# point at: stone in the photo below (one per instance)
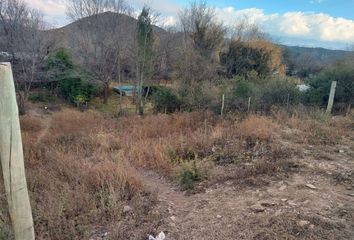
(291, 203)
(303, 223)
(127, 209)
(173, 218)
(284, 200)
(268, 204)
(218, 216)
(282, 188)
(311, 186)
(257, 208)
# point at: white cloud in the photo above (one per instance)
(49, 7)
(307, 25)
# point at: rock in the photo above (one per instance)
(257, 208)
(341, 151)
(127, 209)
(268, 204)
(303, 223)
(282, 188)
(312, 226)
(173, 218)
(218, 216)
(291, 203)
(284, 200)
(311, 186)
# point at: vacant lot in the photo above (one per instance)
(191, 175)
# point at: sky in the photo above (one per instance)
(311, 23)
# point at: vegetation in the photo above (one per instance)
(343, 73)
(90, 173)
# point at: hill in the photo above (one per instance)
(301, 61)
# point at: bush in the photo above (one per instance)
(191, 172)
(277, 91)
(343, 73)
(77, 90)
(165, 100)
(44, 97)
(198, 96)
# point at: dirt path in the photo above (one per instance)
(287, 208)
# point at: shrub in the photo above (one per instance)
(256, 128)
(277, 91)
(241, 58)
(44, 97)
(198, 96)
(165, 100)
(191, 172)
(343, 73)
(76, 89)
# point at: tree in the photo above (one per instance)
(250, 49)
(343, 73)
(145, 54)
(97, 37)
(203, 40)
(22, 39)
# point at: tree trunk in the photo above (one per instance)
(11, 155)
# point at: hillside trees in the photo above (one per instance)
(97, 39)
(21, 37)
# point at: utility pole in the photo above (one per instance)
(11, 155)
(331, 97)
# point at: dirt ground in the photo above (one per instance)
(316, 201)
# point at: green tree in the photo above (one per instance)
(343, 73)
(240, 59)
(145, 54)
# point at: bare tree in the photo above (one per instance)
(23, 40)
(203, 40)
(97, 37)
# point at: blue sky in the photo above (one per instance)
(312, 23)
(335, 8)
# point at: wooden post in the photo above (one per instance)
(331, 97)
(222, 105)
(249, 104)
(11, 155)
(288, 101)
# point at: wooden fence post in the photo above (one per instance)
(222, 105)
(11, 155)
(249, 104)
(331, 97)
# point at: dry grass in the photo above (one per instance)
(76, 176)
(81, 167)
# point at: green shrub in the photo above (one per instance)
(165, 100)
(277, 91)
(197, 96)
(193, 171)
(76, 89)
(44, 97)
(343, 73)
(188, 176)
